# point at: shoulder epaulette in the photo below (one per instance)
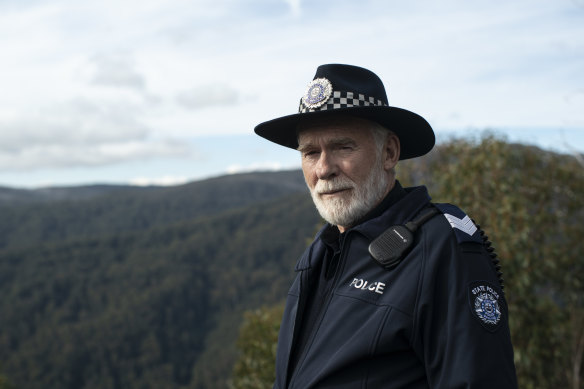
(464, 228)
(467, 231)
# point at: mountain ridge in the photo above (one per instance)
(10, 195)
(133, 305)
(83, 211)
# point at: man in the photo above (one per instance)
(394, 292)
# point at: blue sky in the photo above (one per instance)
(168, 91)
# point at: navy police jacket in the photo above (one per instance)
(436, 320)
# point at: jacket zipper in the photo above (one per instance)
(322, 308)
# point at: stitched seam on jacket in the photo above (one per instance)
(375, 303)
(419, 286)
(375, 341)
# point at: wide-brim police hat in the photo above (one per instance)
(353, 91)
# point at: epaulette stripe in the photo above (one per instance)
(461, 224)
(465, 224)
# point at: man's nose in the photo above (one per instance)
(326, 167)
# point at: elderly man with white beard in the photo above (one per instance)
(348, 172)
(395, 291)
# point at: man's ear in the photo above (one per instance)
(391, 152)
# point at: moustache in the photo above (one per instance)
(334, 185)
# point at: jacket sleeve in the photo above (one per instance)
(461, 330)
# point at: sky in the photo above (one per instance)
(162, 92)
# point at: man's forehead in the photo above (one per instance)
(329, 135)
(338, 128)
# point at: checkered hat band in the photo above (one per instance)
(343, 100)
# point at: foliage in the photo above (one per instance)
(530, 203)
(257, 342)
(86, 212)
(145, 307)
(147, 287)
(4, 384)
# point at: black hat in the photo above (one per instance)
(354, 91)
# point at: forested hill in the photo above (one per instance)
(125, 287)
(253, 184)
(62, 213)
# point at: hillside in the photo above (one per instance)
(264, 183)
(62, 213)
(125, 287)
(144, 287)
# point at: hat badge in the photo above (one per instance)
(317, 93)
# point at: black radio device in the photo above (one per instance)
(390, 247)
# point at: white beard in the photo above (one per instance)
(348, 208)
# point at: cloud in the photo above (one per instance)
(117, 70)
(294, 6)
(255, 166)
(99, 82)
(76, 121)
(159, 181)
(208, 96)
(63, 156)
(81, 132)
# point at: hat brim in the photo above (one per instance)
(414, 132)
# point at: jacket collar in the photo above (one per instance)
(400, 212)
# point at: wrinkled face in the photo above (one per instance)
(346, 171)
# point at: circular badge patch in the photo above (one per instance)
(487, 307)
(485, 304)
(318, 92)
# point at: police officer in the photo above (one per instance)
(395, 291)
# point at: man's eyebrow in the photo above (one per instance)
(302, 147)
(342, 141)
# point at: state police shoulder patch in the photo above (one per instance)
(485, 304)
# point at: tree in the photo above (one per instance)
(255, 368)
(4, 384)
(530, 202)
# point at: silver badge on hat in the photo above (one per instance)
(318, 92)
